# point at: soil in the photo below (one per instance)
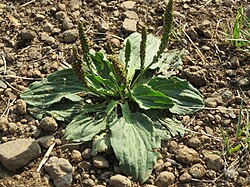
(36, 38)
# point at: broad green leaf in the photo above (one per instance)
(84, 127)
(100, 86)
(152, 46)
(185, 97)
(133, 140)
(101, 143)
(174, 126)
(42, 94)
(147, 98)
(66, 111)
(103, 67)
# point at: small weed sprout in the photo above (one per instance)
(125, 102)
(240, 36)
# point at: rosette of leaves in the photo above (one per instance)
(127, 102)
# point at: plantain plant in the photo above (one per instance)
(127, 102)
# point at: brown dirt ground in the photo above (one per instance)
(215, 68)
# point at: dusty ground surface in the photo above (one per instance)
(36, 38)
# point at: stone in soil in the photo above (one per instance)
(195, 75)
(21, 106)
(119, 181)
(128, 4)
(197, 171)
(27, 35)
(70, 36)
(185, 177)
(186, 155)
(60, 170)
(213, 161)
(100, 162)
(16, 154)
(194, 142)
(49, 124)
(129, 25)
(88, 182)
(159, 165)
(164, 179)
(87, 153)
(46, 141)
(76, 156)
(131, 15)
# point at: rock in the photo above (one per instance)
(12, 127)
(44, 36)
(39, 17)
(195, 75)
(21, 106)
(131, 15)
(115, 43)
(119, 181)
(48, 27)
(35, 54)
(100, 162)
(3, 124)
(129, 25)
(49, 124)
(197, 171)
(226, 94)
(60, 170)
(75, 4)
(46, 141)
(76, 156)
(164, 179)
(50, 40)
(194, 142)
(18, 153)
(203, 32)
(192, 34)
(243, 81)
(213, 161)
(205, 48)
(84, 165)
(88, 182)
(234, 61)
(128, 4)
(27, 35)
(67, 24)
(159, 165)
(60, 15)
(210, 102)
(230, 73)
(185, 177)
(103, 26)
(87, 153)
(186, 155)
(70, 36)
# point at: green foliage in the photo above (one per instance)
(241, 140)
(240, 36)
(126, 102)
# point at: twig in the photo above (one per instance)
(6, 82)
(65, 64)
(45, 158)
(203, 59)
(29, 2)
(6, 111)
(5, 65)
(65, 145)
(18, 77)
